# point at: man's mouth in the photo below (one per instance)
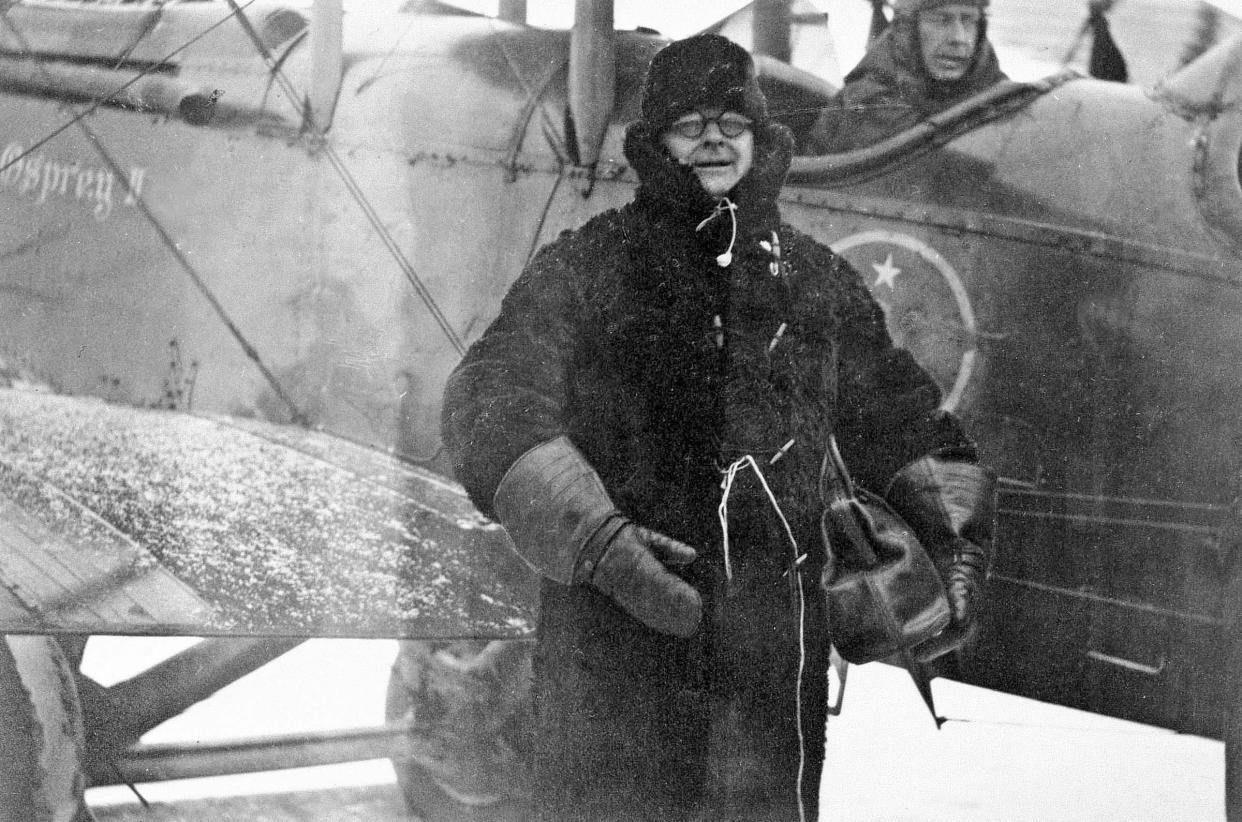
(717, 163)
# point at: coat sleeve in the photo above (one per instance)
(889, 411)
(507, 395)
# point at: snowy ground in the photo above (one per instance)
(999, 759)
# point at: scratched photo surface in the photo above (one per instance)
(243, 245)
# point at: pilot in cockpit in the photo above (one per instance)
(934, 54)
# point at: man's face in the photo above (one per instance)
(719, 145)
(948, 36)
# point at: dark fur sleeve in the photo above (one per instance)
(889, 407)
(508, 393)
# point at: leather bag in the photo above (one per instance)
(884, 594)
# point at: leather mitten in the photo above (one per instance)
(951, 505)
(564, 524)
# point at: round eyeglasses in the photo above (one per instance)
(730, 123)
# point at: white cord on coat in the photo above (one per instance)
(723, 511)
(724, 205)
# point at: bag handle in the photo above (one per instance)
(838, 465)
(834, 478)
(845, 511)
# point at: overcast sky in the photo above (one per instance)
(675, 18)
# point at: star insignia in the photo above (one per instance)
(886, 272)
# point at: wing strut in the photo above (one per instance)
(592, 76)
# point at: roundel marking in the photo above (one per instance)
(932, 317)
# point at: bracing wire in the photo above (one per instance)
(116, 169)
(534, 91)
(143, 72)
(355, 191)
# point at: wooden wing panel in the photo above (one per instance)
(93, 582)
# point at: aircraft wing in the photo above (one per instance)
(130, 521)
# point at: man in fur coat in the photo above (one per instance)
(934, 55)
(648, 417)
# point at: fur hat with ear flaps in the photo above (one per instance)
(700, 72)
(706, 71)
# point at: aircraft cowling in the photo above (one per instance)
(1210, 91)
(1072, 154)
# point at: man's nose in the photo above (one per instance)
(960, 31)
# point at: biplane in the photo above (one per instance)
(244, 242)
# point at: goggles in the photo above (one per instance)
(692, 126)
(946, 18)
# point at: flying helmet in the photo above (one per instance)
(911, 7)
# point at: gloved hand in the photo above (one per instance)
(631, 569)
(964, 583)
(950, 504)
(564, 524)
